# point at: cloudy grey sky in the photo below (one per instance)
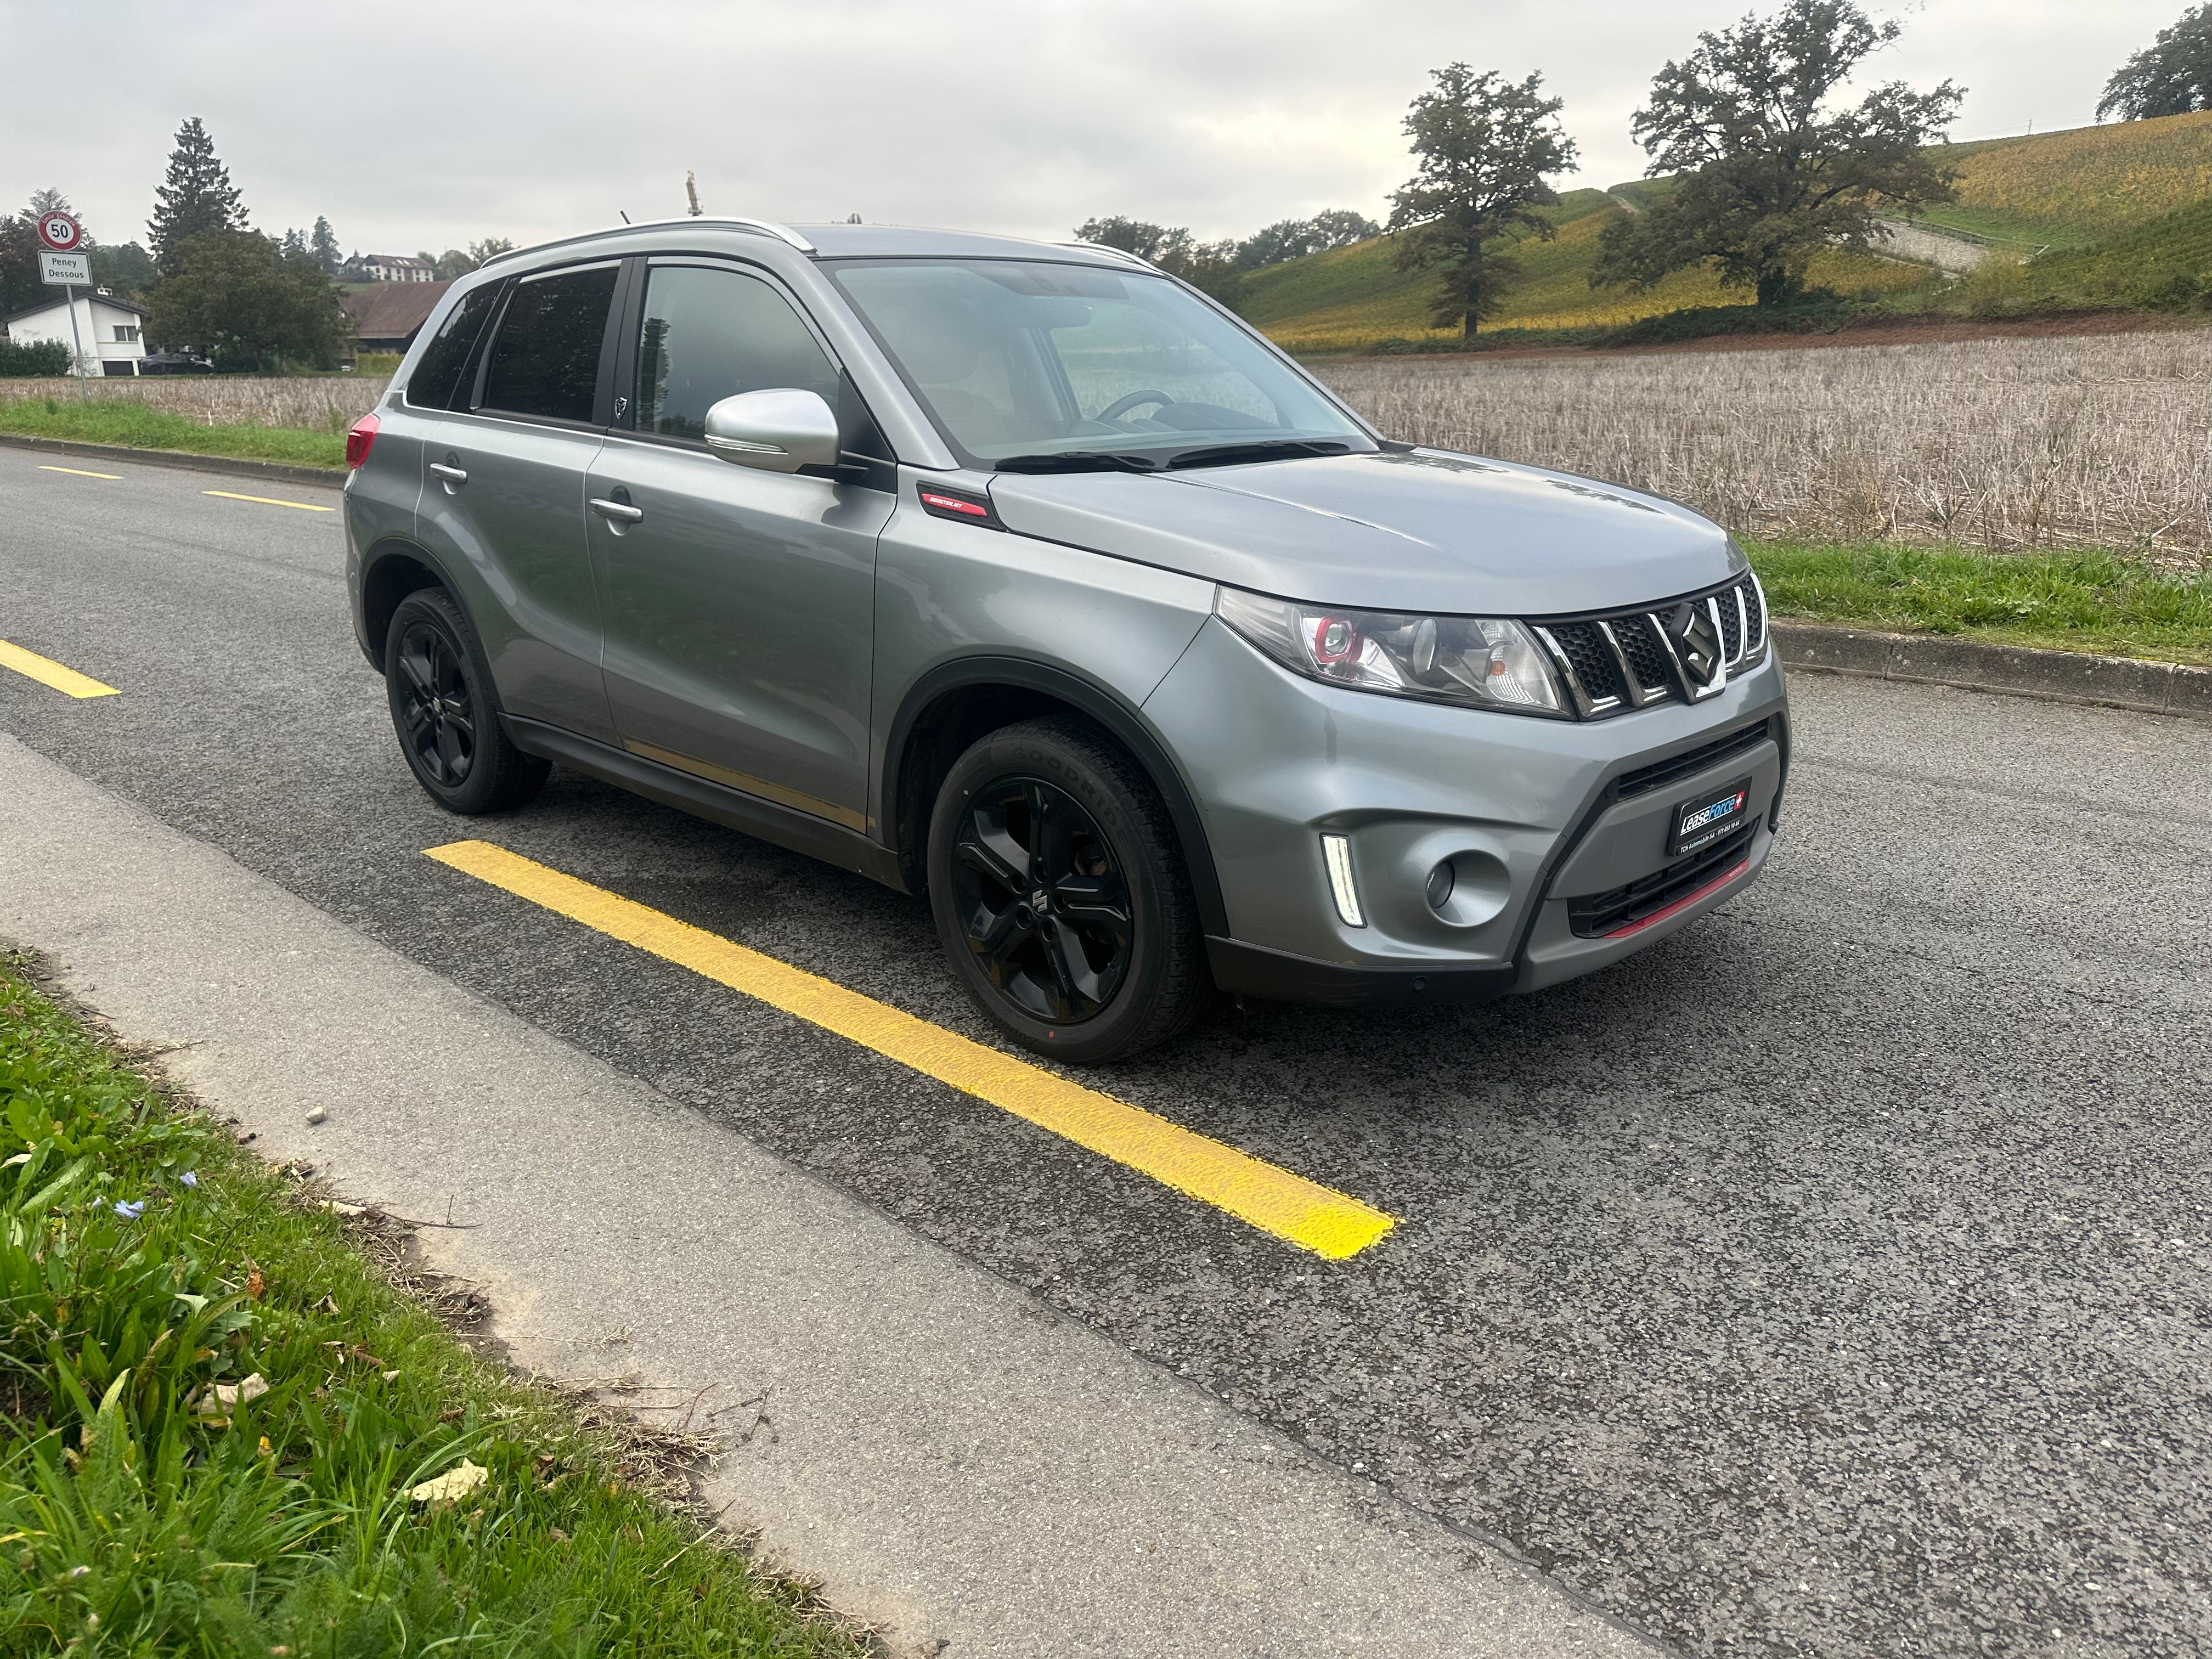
(422, 125)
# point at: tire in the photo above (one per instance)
(1061, 897)
(445, 714)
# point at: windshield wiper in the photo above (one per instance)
(1078, 460)
(1257, 449)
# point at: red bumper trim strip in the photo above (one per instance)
(1686, 901)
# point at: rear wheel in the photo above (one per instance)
(1061, 896)
(443, 710)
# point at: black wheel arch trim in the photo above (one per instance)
(1121, 721)
(379, 554)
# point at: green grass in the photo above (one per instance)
(125, 421)
(2069, 601)
(135, 1521)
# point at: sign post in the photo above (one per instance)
(65, 266)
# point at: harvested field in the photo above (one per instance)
(330, 403)
(2002, 443)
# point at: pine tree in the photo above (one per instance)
(198, 197)
(296, 245)
(323, 243)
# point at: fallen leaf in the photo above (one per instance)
(228, 1395)
(390, 1376)
(255, 1285)
(344, 1212)
(455, 1484)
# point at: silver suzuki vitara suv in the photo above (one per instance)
(1026, 577)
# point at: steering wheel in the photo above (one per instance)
(1121, 406)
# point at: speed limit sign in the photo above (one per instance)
(59, 232)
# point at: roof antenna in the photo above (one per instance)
(691, 188)
(625, 216)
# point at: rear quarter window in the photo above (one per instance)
(437, 381)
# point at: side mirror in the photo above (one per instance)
(779, 430)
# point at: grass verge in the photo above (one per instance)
(217, 1421)
(125, 421)
(2097, 602)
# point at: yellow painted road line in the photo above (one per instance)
(1272, 1200)
(47, 671)
(78, 471)
(268, 500)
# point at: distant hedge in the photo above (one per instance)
(18, 358)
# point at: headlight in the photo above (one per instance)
(1474, 662)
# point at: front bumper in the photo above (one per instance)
(1537, 818)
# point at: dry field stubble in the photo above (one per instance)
(2088, 442)
(322, 403)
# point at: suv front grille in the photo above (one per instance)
(1681, 652)
(1641, 902)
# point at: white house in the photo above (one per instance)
(388, 268)
(110, 332)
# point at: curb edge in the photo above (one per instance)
(2152, 688)
(329, 478)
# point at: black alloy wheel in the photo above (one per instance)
(1043, 902)
(446, 712)
(1061, 896)
(437, 717)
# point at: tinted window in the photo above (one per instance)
(545, 357)
(438, 376)
(709, 335)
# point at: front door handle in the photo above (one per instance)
(452, 475)
(620, 512)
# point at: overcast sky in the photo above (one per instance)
(419, 125)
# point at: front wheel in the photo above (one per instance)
(1061, 894)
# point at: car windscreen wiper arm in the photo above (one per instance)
(1078, 460)
(1257, 449)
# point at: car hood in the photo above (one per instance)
(1420, 530)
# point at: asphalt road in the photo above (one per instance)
(1829, 1279)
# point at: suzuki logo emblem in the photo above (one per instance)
(1696, 636)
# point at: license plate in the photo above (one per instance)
(1699, 823)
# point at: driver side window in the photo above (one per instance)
(707, 335)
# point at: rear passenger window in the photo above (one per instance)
(437, 378)
(709, 335)
(545, 357)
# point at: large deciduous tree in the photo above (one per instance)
(2172, 76)
(1486, 146)
(239, 299)
(196, 198)
(1772, 173)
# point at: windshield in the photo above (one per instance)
(1023, 360)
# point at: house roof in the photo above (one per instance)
(57, 302)
(387, 311)
(391, 259)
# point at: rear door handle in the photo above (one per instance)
(452, 475)
(620, 512)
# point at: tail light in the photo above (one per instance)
(358, 437)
